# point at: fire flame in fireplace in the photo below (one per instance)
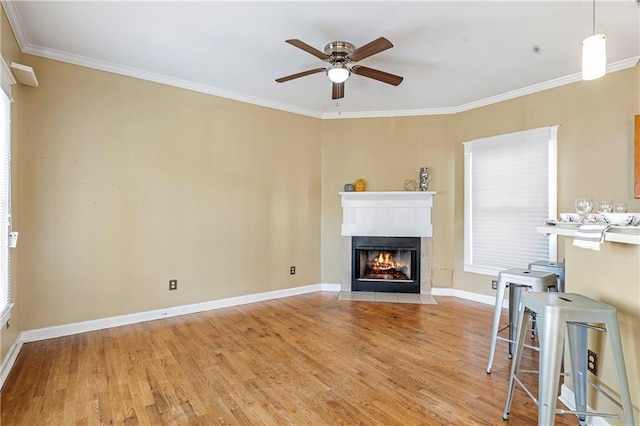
(383, 267)
(383, 262)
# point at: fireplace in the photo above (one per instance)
(387, 242)
(386, 264)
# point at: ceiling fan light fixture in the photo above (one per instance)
(338, 73)
(594, 57)
(342, 58)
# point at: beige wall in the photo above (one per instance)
(127, 184)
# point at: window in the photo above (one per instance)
(6, 79)
(510, 188)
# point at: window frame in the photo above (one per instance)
(547, 135)
(6, 81)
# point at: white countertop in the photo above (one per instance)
(615, 234)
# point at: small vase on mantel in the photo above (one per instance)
(424, 178)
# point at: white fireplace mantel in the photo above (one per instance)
(387, 214)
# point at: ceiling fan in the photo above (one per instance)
(342, 57)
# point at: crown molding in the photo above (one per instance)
(573, 78)
(162, 79)
(390, 113)
(201, 88)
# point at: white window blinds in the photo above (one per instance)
(510, 189)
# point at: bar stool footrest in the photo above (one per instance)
(563, 411)
(535, 348)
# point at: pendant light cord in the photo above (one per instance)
(594, 17)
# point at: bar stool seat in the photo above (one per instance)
(517, 280)
(555, 267)
(575, 313)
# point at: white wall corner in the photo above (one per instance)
(330, 287)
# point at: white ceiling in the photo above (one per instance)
(453, 55)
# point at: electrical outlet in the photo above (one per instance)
(292, 270)
(592, 362)
(494, 284)
(173, 284)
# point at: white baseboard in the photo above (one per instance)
(100, 324)
(468, 295)
(9, 360)
(567, 397)
(330, 287)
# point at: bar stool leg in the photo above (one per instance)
(515, 364)
(552, 332)
(497, 311)
(515, 294)
(615, 341)
(577, 337)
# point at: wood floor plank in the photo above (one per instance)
(308, 359)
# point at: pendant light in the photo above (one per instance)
(594, 53)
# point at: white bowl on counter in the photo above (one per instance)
(570, 217)
(622, 219)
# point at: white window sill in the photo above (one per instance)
(482, 270)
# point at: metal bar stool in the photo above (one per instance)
(575, 314)
(516, 280)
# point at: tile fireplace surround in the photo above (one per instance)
(388, 214)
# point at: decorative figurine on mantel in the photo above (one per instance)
(424, 178)
(359, 185)
(410, 185)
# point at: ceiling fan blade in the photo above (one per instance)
(337, 91)
(376, 46)
(382, 76)
(300, 74)
(309, 49)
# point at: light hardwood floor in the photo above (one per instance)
(303, 360)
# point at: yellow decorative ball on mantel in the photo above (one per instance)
(359, 185)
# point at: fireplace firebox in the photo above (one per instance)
(386, 264)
